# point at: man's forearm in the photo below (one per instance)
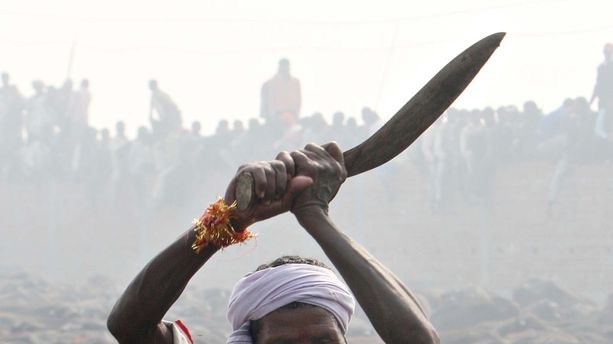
(391, 307)
(149, 296)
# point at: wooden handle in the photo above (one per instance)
(244, 194)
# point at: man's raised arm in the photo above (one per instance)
(391, 307)
(137, 315)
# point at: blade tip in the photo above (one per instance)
(499, 35)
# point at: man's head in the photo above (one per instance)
(284, 67)
(530, 107)
(120, 128)
(352, 124)
(608, 51)
(369, 116)
(568, 106)
(296, 322)
(5, 79)
(38, 86)
(105, 135)
(254, 124)
(290, 300)
(153, 85)
(67, 85)
(223, 127)
(338, 119)
(489, 115)
(196, 127)
(238, 126)
(142, 134)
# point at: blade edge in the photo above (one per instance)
(422, 109)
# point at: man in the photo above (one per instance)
(281, 97)
(78, 108)
(11, 142)
(267, 306)
(168, 113)
(119, 147)
(604, 92)
(436, 160)
(37, 117)
(573, 146)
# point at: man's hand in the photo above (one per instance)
(294, 181)
(275, 186)
(325, 168)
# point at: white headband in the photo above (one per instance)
(264, 291)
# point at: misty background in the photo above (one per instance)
(121, 122)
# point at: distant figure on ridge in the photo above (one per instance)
(604, 92)
(281, 97)
(168, 113)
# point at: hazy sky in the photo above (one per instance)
(212, 56)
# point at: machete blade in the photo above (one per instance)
(410, 121)
(422, 110)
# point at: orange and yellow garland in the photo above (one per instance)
(214, 227)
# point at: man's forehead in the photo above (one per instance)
(299, 325)
(307, 335)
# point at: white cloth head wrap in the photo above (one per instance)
(264, 291)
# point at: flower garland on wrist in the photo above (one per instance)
(214, 227)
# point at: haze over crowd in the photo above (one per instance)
(108, 201)
(47, 136)
(214, 56)
(120, 122)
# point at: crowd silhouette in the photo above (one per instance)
(47, 144)
(46, 138)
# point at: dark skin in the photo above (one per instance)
(310, 325)
(303, 182)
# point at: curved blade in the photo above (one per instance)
(423, 109)
(410, 121)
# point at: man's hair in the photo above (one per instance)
(254, 325)
(291, 260)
